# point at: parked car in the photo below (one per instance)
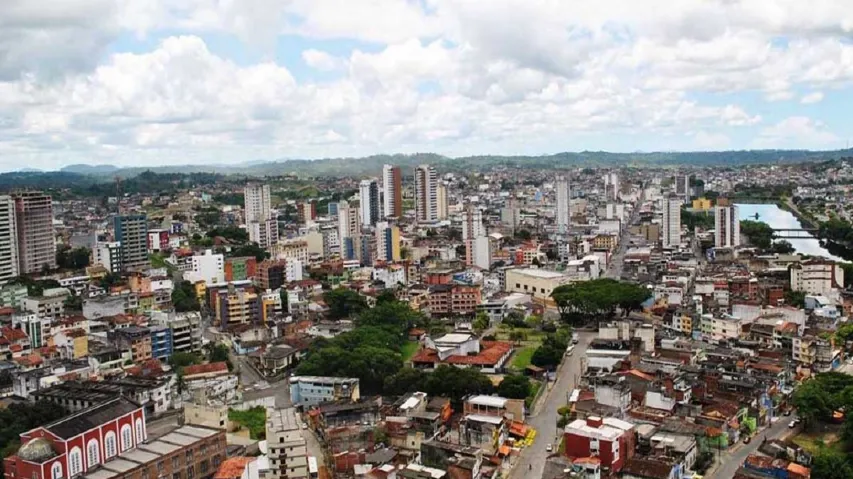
(549, 448)
(747, 439)
(787, 412)
(792, 424)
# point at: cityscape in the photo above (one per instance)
(426, 239)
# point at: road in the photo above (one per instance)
(614, 269)
(730, 461)
(545, 420)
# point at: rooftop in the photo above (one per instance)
(539, 273)
(80, 422)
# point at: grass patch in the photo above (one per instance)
(522, 357)
(254, 419)
(159, 261)
(817, 442)
(409, 349)
(535, 385)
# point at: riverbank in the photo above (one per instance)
(789, 217)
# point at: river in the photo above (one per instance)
(778, 218)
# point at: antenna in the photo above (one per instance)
(118, 194)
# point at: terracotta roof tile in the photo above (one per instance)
(233, 468)
(219, 367)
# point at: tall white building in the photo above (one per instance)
(611, 186)
(392, 190)
(671, 234)
(369, 202)
(477, 247)
(726, 227)
(265, 233)
(563, 199)
(108, 255)
(426, 194)
(207, 267)
(257, 203)
(8, 239)
(287, 449)
(347, 220)
(443, 204)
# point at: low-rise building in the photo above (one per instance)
(313, 390)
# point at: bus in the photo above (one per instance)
(313, 471)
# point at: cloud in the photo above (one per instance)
(796, 132)
(813, 97)
(322, 61)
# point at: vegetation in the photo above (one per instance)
(230, 199)
(253, 419)
(344, 303)
(551, 352)
(231, 233)
(795, 298)
(409, 349)
(447, 381)
(759, 233)
(598, 297)
(515, 386)
(702, 219)
(181, 360)
(76, 258)
(184, 298)
(35, 287)
(522, 357)
(217, 353)
(21, 417)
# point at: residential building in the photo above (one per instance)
(237, 306)
(257, 203)
(134, 339)
(387, 242)
(671, 231)
(682, 186)
(392, 189)
(539, 283)
(108, 255)
(563, 214)
(726, 227)
(702, 204)
(368, 191)
(816, 277)
(453, 299)
(472, 230)
(207, 267)
(13, 296)
(313, 390)
(294, 249)
(426, 194)
(611, 440)
(287, 449)
(306, 212)
(34, 227)
(240, 269)
(50, 305)
(153, 394)
(265, 233)
(158, 240)
(442, 202)
(9, 260)
(161, 342)
(275, 274)
(131, 231)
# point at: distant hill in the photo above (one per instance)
(90, 169)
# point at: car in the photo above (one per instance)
(575, 340)
(798, 420)
(792, 424)
(747, 439)
(549, 448)
(787, 413)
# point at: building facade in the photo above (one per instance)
(726, 227)
(369, 202)
(9, 261)
(34, 225)
(426, 194)
(671, 231)
(131, 231)
(392, 187)
(257, 203)
(564, 214)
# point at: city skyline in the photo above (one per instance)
(155, 83)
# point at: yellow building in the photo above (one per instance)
(200, 290)
(605, 241)
(702, 204)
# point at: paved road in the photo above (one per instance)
(545, 421)
(730, 461)
(614, 269)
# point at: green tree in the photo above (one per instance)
(76, 258)
(795, 298)
(758, 233)
(344, 303)
(599, 297)
(184, 298)
(829, 464)
(21, 417)
(514, 386)
(405, 380)
(181, 360)
(231, 233)
(481, 322)
(249, 249)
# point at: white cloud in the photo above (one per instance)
(796, 132)
(320, 60)
(813, 97)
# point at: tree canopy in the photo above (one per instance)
(21, 417)
(344, 303)
(514, 386)
(183, 297)
(759, 233)
(599, 297)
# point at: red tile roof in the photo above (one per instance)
(219, 367)
(232, 468)
(13, 334)
(490, 353)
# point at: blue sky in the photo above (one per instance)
(192, 81)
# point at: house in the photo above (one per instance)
(313, 390)
(211, 381)
(611, 440)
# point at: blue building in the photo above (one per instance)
(161, 342)
(313, 390)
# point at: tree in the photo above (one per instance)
(250, 249)
(758, 233)
(386, 296)
(514, 386)
(184, 298)
(76, 258)
(795, 298)
(395, 316)
(598, 297)
(546, 356)
(829, 464)
(534, 321)
(21, 417)
(180, 360)
(231, 233)
(523, 235)
(781, 247)
(481, 322)
(344, 303)
(405, 380)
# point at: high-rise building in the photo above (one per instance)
(671, 234)
(108, 255)
(288, 451)
(611, 186)
(348, 220)
(563, 198)
(726, 227)
(472, 232)
(307, 211)
(9, 262)
(257, 203)
(369, 202)
(509, 214)
(387, 242)
(442, 203)
(392, 187)
(131, 231)
(426, 194)
(34, 222)
(682, 186)
(265, 233)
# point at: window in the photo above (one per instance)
(189, 456)
(75, 462)
(126, 438)
(93, 454)
(190, 471)
(56, 470)
(140, 431)
(217, 460)
(110, 445)
(160, 466)
(176, 475)
(176, 462)
(205, 466)
(145, 474)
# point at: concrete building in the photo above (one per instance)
(207, 267)
(368, 192)
(563, 215)
(257, 203)
(611, 440)
(442, 201)
(426, 194)
(108, 255)
(472, 230)
(726, 227)
(306, 212)
(9, 261)
(34, 225)
(287, 450)
(671, 231)
(392, 191)
(817, 277)
(265, 233)
(131, 231)
(295, 249)
(536, 282)
(50, 305)
(387, 242)
(313, 390)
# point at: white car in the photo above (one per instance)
(549, 448)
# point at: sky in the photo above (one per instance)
(168, 82)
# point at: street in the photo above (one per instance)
(729, 461)
(545, 420)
